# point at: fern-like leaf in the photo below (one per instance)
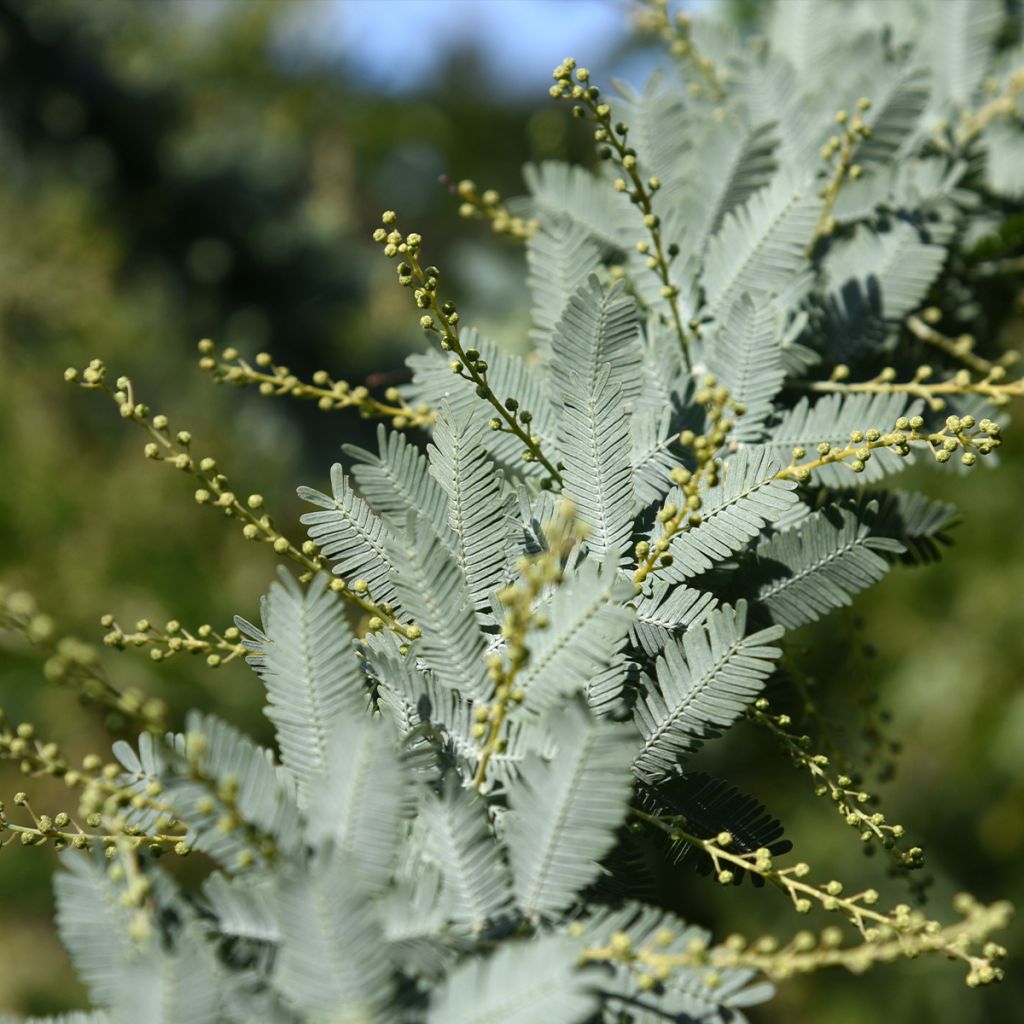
(733, 512)
(475, 877)
(365, 794)
(587, 622)
(564, 812)
(561, 191)
(760, 248)
(746, 357)
(918, 522)
(666, 612)
(724, 173)
(819, 565)
(560, 257)
(479, 512)
(334, 958)
(351, 535)
(704, 683)
(433, 590)
(524, 982)
(599, 327)
(595, 445)
(397, 482)
(305, 657)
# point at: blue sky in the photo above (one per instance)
(395, 45)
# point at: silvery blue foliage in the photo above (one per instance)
(374, 868)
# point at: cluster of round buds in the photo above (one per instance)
(76, 664)
(273, 379)
(392, 239)
(518, 599)
(172, 639)
(686, 512)
(853, 128)
(488, 205)
(841, 146)
(91, 377)
(959, 433)
(677, 35)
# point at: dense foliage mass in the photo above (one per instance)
(585, 575)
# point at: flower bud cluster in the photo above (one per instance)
(959, 434)
(677, 34)
(488, 206)
(75, 664)
(855, 805)
(441, 319)
(518, 599)
(682, 510)
(175, 449)
(839, 152)
(273, 379)
(993, 386)
(572, 83)
(173, 638)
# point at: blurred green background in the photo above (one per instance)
(175, 170)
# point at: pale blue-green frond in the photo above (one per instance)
(728, 167)
(831, 419)
(806, 33)
(564, 811)
(509, 376)
(524, 982)
(587, 622)
(560, 257)
(1003, 143)
(606, 688)
(243, 906)
(479, 508)
(168, 986)
(661, 130)
(434, 591)
(414, 914)
(475, 877)
(761, 246)
(918, 522)
(897, 105)
(598, 326)
(958, 45)
(560, 190)
(666, 612)
(733, 512)
(688, 994)
(770, 91)
(365, 795)
(138, 978)
(89, 909)
(819, 565)
(264, 797)
(398, 482)
(705, 681)
(746, 357)
(904, 266)
(334, 958)
(651, 455)
(350, 535)
(594, 442)
(666, 377)
(306, 659)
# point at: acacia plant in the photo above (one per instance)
(780, 286)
